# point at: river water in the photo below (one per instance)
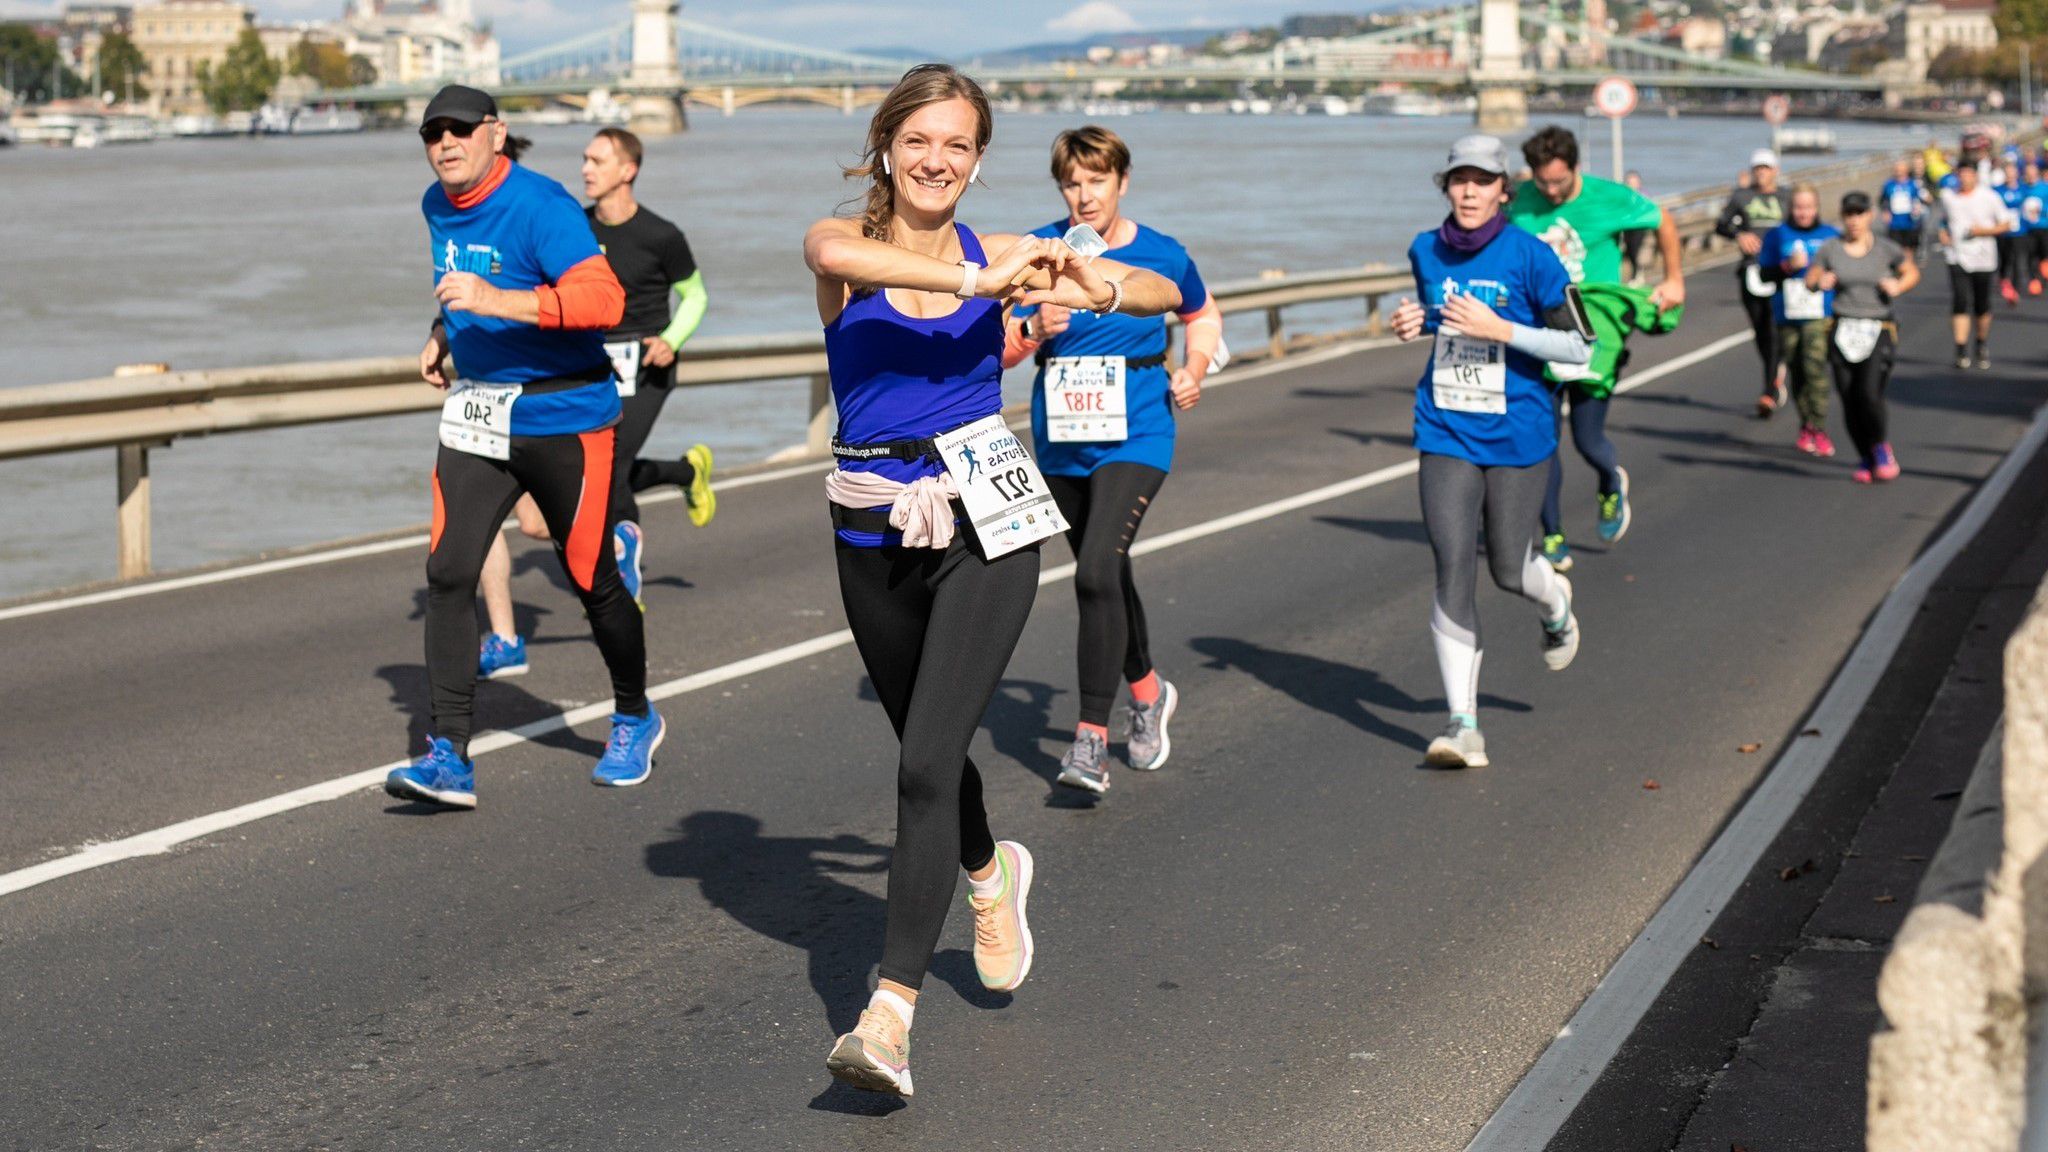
(219, 253)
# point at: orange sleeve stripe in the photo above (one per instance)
(587, 536)
(588, 295)
(1015, 347)
(1208, 308)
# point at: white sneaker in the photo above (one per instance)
(1461, 746)
(1561, 642)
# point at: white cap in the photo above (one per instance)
(1763, 158)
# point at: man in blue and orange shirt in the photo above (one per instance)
(526, 297)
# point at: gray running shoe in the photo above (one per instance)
(1146, 742)
(1461, 746)
(1082, 766)
(1561, 641)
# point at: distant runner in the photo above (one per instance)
(1499, 305)
(1583, 218)
(1864, 274)
(1905, 201)
(525, 296)
(654, 264)
(1973, 217)
(1802, 314)
(1750, 213)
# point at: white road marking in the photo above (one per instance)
(163, 839)
(1539, 1106)
(419, 540)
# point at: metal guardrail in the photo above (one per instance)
(133, 414)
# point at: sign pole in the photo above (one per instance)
(1620, 169)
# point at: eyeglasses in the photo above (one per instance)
(432, 133)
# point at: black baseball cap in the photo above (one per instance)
(461, 104)
(1855, 203)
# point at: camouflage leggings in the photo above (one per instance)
(1803, 347)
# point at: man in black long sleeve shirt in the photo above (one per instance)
(1749, 213)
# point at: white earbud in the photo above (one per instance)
(885, 165)
(976, 174)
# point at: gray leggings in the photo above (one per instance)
(1456, 495)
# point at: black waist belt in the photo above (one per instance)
(1131, 363)
(886, 450)
(869, 520)
(566, 383)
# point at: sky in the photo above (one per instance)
(953, 28)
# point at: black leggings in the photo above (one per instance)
(1113, 635)
(2012, 253)
(1969, 292)
(1764, 324)
(1862, 389)
(935, 630)
(1589, 435)
(569, 478)
(636, 421)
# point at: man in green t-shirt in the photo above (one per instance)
(1582, 218)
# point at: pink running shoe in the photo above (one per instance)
(1822, 446)
(1806, 443)
(1885, 466)
(1862, 473)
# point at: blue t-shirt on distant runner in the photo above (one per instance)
(1521, 279)
(1903, 200)
(1148, 399)
(2034, 207)
(2015, 196)
(1779, 244)
(527, 232)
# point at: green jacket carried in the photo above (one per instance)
(1617, 311)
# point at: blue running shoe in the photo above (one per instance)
(440, 777)
(500, 657)
(630, 756)
(627, 534)
(1614, 513)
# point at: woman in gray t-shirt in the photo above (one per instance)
(1866, 272)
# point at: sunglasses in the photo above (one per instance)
(432, 133)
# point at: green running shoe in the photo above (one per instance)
(1614, 514)
(1557, 552)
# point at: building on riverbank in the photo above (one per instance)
(176, 37)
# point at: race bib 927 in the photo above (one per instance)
(1007, 501)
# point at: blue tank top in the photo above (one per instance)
(898, 377)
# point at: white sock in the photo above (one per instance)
(896, 1004)
(1458, 659)
(990, 888)
(1540, 583)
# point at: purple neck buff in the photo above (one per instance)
(1463, 240)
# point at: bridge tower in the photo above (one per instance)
(1500, 79)
(656, 79)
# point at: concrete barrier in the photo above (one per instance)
(1951, 1071)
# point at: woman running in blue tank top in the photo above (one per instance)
(938, 511)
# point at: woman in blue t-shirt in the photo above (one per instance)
(1102, 416)
(1499, 304)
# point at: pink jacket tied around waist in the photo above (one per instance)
(922, 510)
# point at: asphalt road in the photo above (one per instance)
(1292, 937)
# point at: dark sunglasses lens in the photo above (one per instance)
(432, 133)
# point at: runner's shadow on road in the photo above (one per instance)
(1019, 723)
(1341, 690)
(790, 889)
(1397, 439)
(500, 705)
(1745, 464)
(1681, 400)
(1401, 531)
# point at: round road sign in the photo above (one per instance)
(1777, 109)
(1615, 97)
